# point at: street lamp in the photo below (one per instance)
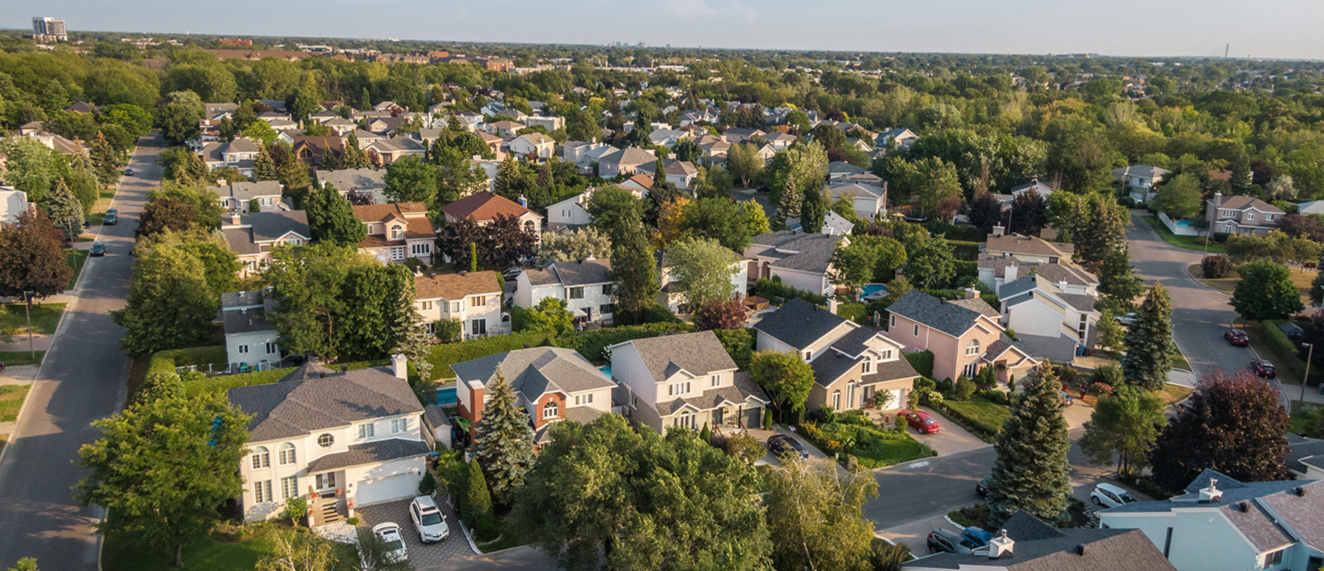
(1306, 379)
(27, 309)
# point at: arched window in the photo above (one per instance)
(397, 233)
(850, 395)
(836, 400)
(285, 454)
(261, 458)
(550, 410)
(972, 348)
(686, 420)
(528, 227)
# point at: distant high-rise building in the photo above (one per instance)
(49, 29)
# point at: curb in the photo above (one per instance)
(1204, 285)
(467, 536)
(954, 524)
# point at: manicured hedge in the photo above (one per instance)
(854, 312)
(166, 361)
(443, 356)
(966, 268)
(922, 362)
(962, 232)
(967, 251)
(590, 344)
(774, 288)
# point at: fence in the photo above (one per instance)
(216, 369)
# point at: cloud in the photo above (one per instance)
(690, 8)
(746, 11)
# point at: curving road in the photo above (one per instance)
(82, 379)
(1200, 313)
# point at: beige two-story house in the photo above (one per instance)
(685, 380)
(252, 236)
(397, 232)
(1241, 215)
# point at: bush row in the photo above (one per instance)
(959, 232)
(922, 362)
(770, 289)
(968, 251)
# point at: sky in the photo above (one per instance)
(1155, 28)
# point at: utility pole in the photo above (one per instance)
(1226, 48)
(1306, 379)
(27, 309)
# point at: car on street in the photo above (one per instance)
(1110, 496)
(977, 536)
(1128, 319)
(98, 250)
(983, 486)
(428, 520)
(781, 444)
(1237, 337)
(921, 421)
(394, 544)
(948, 541)
(111, 218)
(1263, 369)
(1066, 398)
(128, 172)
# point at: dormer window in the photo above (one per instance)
(326, 440)
(868, 366)
(397, 232)
(550, 410)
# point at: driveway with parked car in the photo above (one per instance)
(421, 555)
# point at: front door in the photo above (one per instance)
(717, 417)
(326, 483)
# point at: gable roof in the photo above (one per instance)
(630, 156)
(811, 252)
(698, 353)
(1041, 547)
(1031, 245)
(455, 286)
(537, 371)
(484, 206)
(1141, 171)
(577, 273)
(353, 179)
(259, 227)
(951, 317)
(313, 398)
(245, 191)
(799, 323)
(1243, 202)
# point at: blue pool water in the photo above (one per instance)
(606, 370)
(870, 289)
(1183, 223)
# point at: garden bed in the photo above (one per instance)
(872, 446)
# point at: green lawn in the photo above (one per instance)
(11, 400)
(1306, 419)
(874, 447)
(76, 259)
(217, 552)
(12, 358)
(977, 415)
(1188, 242)
(1179, 362)
(1172, 393)
(44, 317)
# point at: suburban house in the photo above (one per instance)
(1222, 524)
(363, 181)
(549, 123)
(551, 384)
(1039, 188)
(238, 154)
(670, 295)
(679, 173)
(998, 269)
(250, 340)
(13, 203)
(578, 152)
(1140, 180)
(901, 137)
(391, 150)
(836, 225)
(1305, 457)
(243, 196)
(309, 150)
(686, 379)
(503, 128)
(963, 335)
(536, 145)
(1053, 318)
(868, 200)
(572, 213)
(737, 135)
(472, 298)
(586, 286)
(484, 207)
(797, 259)
(615, 162)
(252, 236)
(667, 137)
(1242, 214)
(852, 363)
(780, 141)
(640, 184)
(341, 439)
(1029, 544)
(1031, 249)
(397, 232)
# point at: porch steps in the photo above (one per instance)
(329, 513)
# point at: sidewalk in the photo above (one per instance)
(40, 342)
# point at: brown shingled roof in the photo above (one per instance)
(483, 206)
(456, 286)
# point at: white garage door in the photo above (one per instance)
(898, 399)
(387, 489)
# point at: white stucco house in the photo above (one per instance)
(799, 260)
(251, 342)
(586, 286)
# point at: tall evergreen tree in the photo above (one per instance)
(1098, 227)
(507, 179)
(504, 442)
(353, 157)
(1149, 345)
(329, 160)
(1031, 472)
(1118, 279)
(789, 207)
(264, 168)
(813, 210)
(331, 218)
(411, 333)
(104, 161)
(64, 210)
(635, 270)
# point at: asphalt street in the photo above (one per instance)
(82, 379)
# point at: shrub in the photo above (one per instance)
(745, 447)
(965, 388)
(1215, 267)
(946, 387)
(354, 521)
(447, 330)
(770, 288)
(428, 484)
(739, 343)
(966, 268)
(994, 396)
(884, 556)
(931, 399)
(295, 509)
(825, 415)
(767, 421)
(476, 504)
(926, 383)
(922, 362)
(961, 232)
(854, 311)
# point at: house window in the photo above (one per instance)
(850, 395)
(634, 400)
(970, 369)
(916, 332)
(678, 389)
(836, 400)
(479, 327)
(367, 431)
(262, 491)
(422, 249)
(806, 355)
(397, 233)
(478, 301)
(271, 348)
(427, 305)
(326, 440)
(1227, 228)
(1274, 559)
(1268, 218)
(868, 366)
(717, 380)
(607, 289)
(891, 322)
(289, 487)
(972, 348)
(285, 454)
(886, 355)
(398, 253)
(261, 458)
(456, 306)
(549, 410)
(243, 349)
(606, 309)
(528, 227)
(399, 425)
(583, 399)
(1250, 216)
(576, 293)
(685, 419)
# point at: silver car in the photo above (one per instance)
(428, 520)
(389, 533)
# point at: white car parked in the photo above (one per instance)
(1110, 496)
(428, 520)
(389, 533)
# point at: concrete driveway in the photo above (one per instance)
(421, 556)
(951, 439)
(770, 458)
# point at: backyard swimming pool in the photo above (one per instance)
(606, 370)
(871, 289)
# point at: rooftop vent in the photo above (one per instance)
(1080, 549)
(1000, 545)
(1243, 506)
(1212, 493)
(1300, 491)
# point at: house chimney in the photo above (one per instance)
(998, 230)
(222, 182)
(400, 366)
(1218, 200)
(971, 293)
(1212, 493)
(235, 219)
(1000, 545)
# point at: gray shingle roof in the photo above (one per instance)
(1303, 451)
(888, 371)
(353, 179)
(951, 317)
(798, 323)
(804, 252)
(370, 453)
(697, 353)
(536, 371)
(306, 401)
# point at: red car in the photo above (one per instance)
(1237, 337)
(1264, 369)
(921, 421)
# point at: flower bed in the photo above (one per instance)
(872, 446)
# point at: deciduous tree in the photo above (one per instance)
(411, 180)
(932, 265)
(702, 269)
(1124, 426)
(581, 244)
(1266, 291)
(816, 514)
(179, 116)
(32, 258)
(170, 306)
(785, 377)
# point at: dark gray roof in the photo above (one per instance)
(580, 414)
(1079, 301)
(1040, 547)
(1016, 287)
(260, 227)
(370, 453)
(585, 272)
(853, 342)
(1062, 273)
(245, 191)
(245, 320)
(1056, 349)
(887, 371)
(799, 251)
(313, 398)
(353, 179)
(534, 372)
(831, 365)
(744, 389)
(952, 317)
(698, 353)
(841, 167)
(798, 323)
(1304, 451)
